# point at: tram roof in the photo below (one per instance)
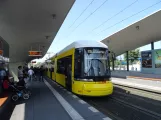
(135, 35)
(83, 43)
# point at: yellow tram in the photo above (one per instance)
(83, 68)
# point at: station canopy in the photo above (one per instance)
(31, 25)
(136, 35)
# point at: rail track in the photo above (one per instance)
(138, 108)
(137, 91)
(121, 105)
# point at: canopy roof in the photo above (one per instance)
(31, 24)
(136, 35)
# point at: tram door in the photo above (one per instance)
(68, 72)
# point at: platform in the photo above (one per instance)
(149, 85)
(50, 101)
(6, 106)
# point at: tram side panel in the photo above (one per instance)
(61, 67)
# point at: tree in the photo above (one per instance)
(133, 55)
(117, 62)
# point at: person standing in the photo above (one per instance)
(20, 73)
(30, 73)
(20, 76)
(41, 73)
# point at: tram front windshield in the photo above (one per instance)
(94, 63)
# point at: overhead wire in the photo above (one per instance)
(88, 17)
(114, 15)
(129, 17)
(82, 13)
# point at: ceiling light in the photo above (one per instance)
(137, 27)
(46, 37)
(54, 16)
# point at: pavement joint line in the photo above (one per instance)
(74, 96)
(82, 101)
(69, 109)
(56, 83)
(69, 92)
(107, 118)
(93, 109)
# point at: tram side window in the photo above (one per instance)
(60, 66)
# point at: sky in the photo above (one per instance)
(82, 28)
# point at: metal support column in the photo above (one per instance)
(152, 45)
(127, 54)
(113, 64)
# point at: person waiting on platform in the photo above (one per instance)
(20, 73)
(41, 73)
(20, 76)
(30, 73)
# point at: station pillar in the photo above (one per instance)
(127, 54)
(113, 64)
(152, 45)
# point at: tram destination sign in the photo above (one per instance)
(33, 62)
(35, 53)
(96, 51)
